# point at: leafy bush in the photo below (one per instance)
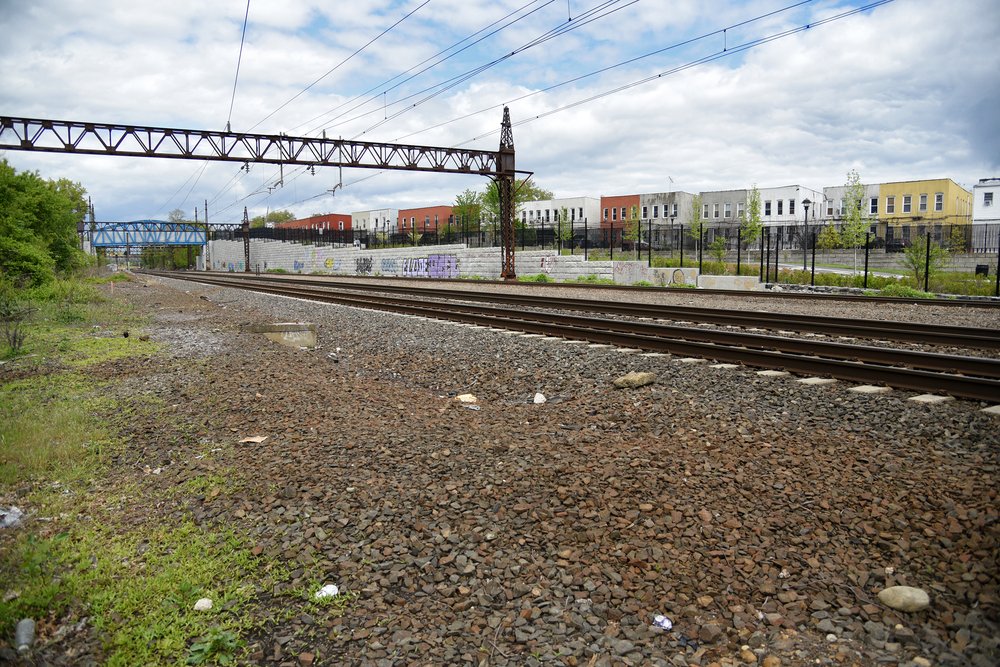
(642, 283)
(594, 279)
(904, 291)
(537, 278)
(282, 271)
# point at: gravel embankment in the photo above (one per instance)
(760, 515)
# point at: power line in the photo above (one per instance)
(446, 85)
(575, 79)
(239, 59)
(337, 66)
(424, 62)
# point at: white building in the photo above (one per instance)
(986, 215)
(549, 212)
(832, 209)
(379, 220)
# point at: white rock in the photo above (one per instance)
(328, 591)
(539, 398)
(466, 398)
(204, 604)
(905, 598)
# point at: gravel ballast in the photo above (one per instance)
(762, 516)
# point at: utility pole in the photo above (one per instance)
(505, 187)
(246, 240)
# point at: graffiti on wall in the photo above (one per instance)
(547, 264)
(298, 265)
(332, 264)
(433, 266)
(390, 265)
(363, 266)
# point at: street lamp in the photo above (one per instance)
(805, 236)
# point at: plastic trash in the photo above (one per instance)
(539, 398)
(204, 604)
(471, 407)
(10, 517)
(24, 635)
(328, 591)
(466, 398)
(663, 622)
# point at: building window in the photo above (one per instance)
(715, 210)
(923, 203)
(645, 212)
(614, 214)
(729, 210)
(829, 208)
(791, 207)
(623, 212)
(890, 204)
(674, 211)
(873, 206)
(704, 211)
(939, 201)
(739, 209)
(987, 199)
(767, 207)
(656, 211)
(605, 214)
(781, 203)
(907, 207)
(581, 213)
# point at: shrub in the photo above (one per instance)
(537, 278)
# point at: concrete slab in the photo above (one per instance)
(598, 345)
(654, 354)
(575, 342)
(992, 410)
(725, 366)
(773, 374)
(693, 360)
(627, 350)
(531, 335)
(870, 389)
(817, 382)
(289, 334)
(931, 399)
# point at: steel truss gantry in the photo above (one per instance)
(62, 136)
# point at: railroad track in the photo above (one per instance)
(960, 376)
(911, 332)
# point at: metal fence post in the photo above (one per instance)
(612, 244)
(996, 290)
(739, 248)
(682, 246)
(812, 279)
(586, 241)
(867, 243)
(927, 264)
(649, 244)
(701, 245)
(767, 261)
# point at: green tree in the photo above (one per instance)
(273, 217)
(751, 226)
(468, 207)
(856, 218)
(38, 226)
(828, 238)
(565, 226)
(630, 226)
(696, 223)
(957, 239)
(918, 262)
(717, 249)
(525, 190)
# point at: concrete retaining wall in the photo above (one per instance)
(445, 261)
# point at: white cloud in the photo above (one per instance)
(908, 90)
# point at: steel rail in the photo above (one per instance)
(876, 329)
(857, 363)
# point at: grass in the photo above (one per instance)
(536, 278)
(138, 590)
(133, 575)
(594, 279)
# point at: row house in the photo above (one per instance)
(554, 211)
(986, 213)
(662, 208)
(321, 223)
(423, 220)
(379, 220)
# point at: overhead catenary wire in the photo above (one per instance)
(727, 50)
(338, 65)
(239, 59)
(424, 62)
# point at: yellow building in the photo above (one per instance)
(912, 208)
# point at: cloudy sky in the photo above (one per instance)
(906, 90)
